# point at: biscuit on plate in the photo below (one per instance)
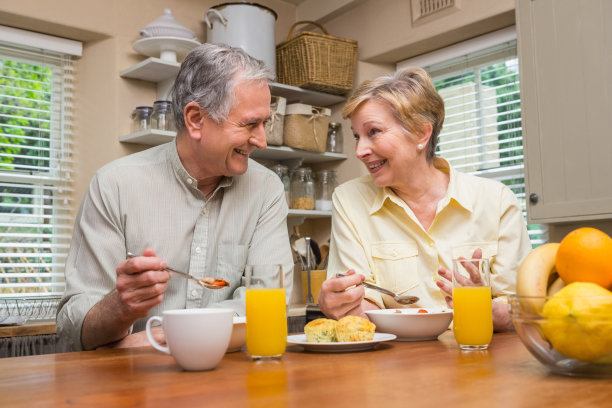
(321, 331)
(355, 328)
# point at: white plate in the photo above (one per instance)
(165, 48)
(340, 347)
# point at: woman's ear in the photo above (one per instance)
(194, 117)
(425, 134)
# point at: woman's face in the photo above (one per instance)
(385, 148)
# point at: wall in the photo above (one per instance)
(104, 101)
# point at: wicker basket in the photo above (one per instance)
(319, 62)
(274, 127)
(306, 127)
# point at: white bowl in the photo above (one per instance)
(238, 338)
(409, 324)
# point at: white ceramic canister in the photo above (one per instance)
(249, 26)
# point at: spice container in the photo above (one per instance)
(283, 173)
(141, 118)
(302, 189)
(162, 118)
(334, 138)
(324, 188)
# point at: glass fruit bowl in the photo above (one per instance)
(569, 335)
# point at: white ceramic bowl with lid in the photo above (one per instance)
(166, 26)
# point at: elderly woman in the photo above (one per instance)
(400, 226)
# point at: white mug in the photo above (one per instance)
(196, 338)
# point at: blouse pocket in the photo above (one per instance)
(231, 261)
(395, 265)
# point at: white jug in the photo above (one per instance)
(249, 26)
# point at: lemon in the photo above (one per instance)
(579, 322)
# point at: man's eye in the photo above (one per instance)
(356, 136)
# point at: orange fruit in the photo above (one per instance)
(585, 255)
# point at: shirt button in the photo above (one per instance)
(194, 293)
(393, 253)
(190, 181)
(204, 211)
(198, 250)
(431, 244)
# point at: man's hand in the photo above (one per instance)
(141, 283)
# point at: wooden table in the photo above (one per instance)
(419, 374)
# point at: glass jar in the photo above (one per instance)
(162, 118)
(302, 189)
(282, 172)
(141, 118)
(324, 188)
(334, 138)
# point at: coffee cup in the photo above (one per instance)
(196, 338)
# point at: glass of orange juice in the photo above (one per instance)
(472, 308)
(266, 311)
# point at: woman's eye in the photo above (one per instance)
(373, 131)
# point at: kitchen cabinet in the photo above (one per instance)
(163, 73)
(566, 94)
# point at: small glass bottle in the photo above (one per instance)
(302, 189)
(162, 118)
(324, 188)
(141, 118)
(282, 172)
(334, 138)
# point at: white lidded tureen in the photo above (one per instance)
(166, 26)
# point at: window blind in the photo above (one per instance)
(482, 131)
(35, 170)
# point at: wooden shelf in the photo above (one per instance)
(151, 137)
(152, 69)
(286, 153)
(309, 213)
(295, 94)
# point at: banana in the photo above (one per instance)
(555, 287)
(537, 271)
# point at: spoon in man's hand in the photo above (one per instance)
(205, 282)
(403, 300)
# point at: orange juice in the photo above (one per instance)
(473, 316)
(266, 325)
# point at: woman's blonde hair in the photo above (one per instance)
(412, 98)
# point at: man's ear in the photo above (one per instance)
(194, 118)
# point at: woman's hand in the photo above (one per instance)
(501, 316)
(343, 296)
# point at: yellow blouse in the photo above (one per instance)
(378, 235)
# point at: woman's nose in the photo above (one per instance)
(362, 149)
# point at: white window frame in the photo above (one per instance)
(40, 305)
(485, 45)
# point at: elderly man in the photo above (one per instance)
(199, 204)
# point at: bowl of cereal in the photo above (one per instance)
(412, 324)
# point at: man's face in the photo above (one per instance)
(227, 146)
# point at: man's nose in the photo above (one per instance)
(258, 137)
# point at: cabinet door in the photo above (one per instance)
(565, 56)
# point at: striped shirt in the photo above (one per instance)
(148, 200)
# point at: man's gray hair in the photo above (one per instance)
(208, 76)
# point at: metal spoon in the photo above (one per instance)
(403, 300)
(188, 276)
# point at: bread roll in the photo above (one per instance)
(321, 331)
(354, 328)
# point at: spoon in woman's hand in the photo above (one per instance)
(403, 300)
(205, 282)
